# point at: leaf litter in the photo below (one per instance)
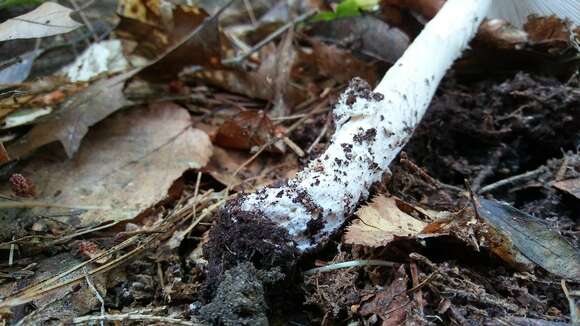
(222, 101)
(48, 19)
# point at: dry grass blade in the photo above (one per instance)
(31, 292)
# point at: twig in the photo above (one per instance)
(420, 258)
(30, 292)
(397, 308)
(250, 11)
(33, 203)
(418, 294)
(205, 213)
(318, 109)
(423, 283)
(82, 232)
(162, 280)
(562, 169)
(85, 20)
(574, 316)
(293, 146)
(424, 260)
(238, 59)
(136, 317)
(514, 179)
(349, 264)
(97, 294)
(414, 168)
(11, 256)
(195, 192)
(289, 117)
(24, 238)
(319, 137)
(488, 169)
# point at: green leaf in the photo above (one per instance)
(14, 3)
(347, 8)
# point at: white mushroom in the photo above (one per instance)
(373, 126)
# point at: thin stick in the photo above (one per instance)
(40, 284)
(349, 264)
(27, 297)
(418, 294)
(85, 19)
(79, 233)
(135, 317)
(269, 38)
(96, 292)
(161, 279)
(293, 146)
(11, 256)
(195, 192)
(317, 110)
(319, 137)
(205, 213)
(514, 179)
(250, 12)
(574, 318)
(33, 203)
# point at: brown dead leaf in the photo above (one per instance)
(380, 222)
(127, 163)
(286, 56)
(476, 234)
(71, 123)
(263, 83)
(571, 186)
(501, 34)
(390, 304)
(183, 37)
(149, 12)
(4, 157)
(548, 30)
(246, 130)
(339, 64)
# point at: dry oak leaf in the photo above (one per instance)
(127, 163)
(380, 222)
(46, 20)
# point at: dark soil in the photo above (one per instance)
(526, 119)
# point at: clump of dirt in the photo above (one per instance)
(240, 236)
(240, 297)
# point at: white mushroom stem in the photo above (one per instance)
(371, 129)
